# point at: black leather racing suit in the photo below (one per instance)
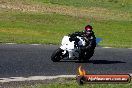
(89, 37)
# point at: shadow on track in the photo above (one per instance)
(95, 61)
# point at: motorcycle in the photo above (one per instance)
(71, 49)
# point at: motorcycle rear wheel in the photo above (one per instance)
(85, 56)
(57, 55)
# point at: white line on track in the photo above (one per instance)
(33, 78)
(35, 44)
(106, 47)
(11, 43)
(129, 48)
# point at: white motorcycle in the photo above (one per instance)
(70, 49)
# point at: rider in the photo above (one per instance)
(89, 36)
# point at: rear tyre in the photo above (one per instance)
(57, 55)
(80, 80)
(86, 55)
(89, 54)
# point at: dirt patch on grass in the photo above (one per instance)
(93, 12)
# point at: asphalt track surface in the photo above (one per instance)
(34, 60)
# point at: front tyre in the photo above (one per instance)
(57, 55)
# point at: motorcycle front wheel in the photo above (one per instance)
(57, 55)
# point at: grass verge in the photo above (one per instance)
(71, 83)
(48, 23)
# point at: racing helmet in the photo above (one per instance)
(88, 28)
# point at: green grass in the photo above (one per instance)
(113, 26)
(35, 28)
(73, 84)
(85, 86)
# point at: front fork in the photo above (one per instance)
(74, 53)
(70, 53)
